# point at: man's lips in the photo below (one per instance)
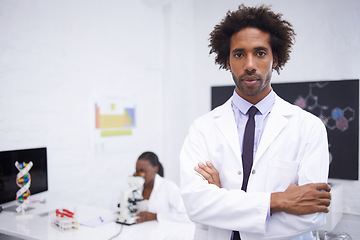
(250, 78)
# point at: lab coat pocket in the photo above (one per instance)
(281, 174)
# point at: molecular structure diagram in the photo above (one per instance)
(23, 180)
(337, 118)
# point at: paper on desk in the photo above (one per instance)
(96, 221)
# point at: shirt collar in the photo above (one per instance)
(264, 106)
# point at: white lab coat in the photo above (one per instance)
(293, 149)
(165, 200)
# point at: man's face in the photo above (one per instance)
(251, 62)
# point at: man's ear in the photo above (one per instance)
(275, 61)
(228, 65)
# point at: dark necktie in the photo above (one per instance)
(248, 146)
(247, 155)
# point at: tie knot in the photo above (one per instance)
(252, 111)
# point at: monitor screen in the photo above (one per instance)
(8, 172)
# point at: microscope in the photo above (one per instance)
(128, 201)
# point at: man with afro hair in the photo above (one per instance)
(257, 166)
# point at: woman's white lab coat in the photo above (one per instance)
(165, 200)
(293, 149)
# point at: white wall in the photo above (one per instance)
(57, 57)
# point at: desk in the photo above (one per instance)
(36, 225)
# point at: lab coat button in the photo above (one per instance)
(239, 172)
(253, 171)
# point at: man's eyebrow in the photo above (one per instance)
(262, 48)
(242, 49)
(238, 50)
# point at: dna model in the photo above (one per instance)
(23, 180)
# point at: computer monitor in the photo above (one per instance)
(8, 172)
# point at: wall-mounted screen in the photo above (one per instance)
(8, 172)
(336, 103)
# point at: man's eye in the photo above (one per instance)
(261, 54)
(238, 55)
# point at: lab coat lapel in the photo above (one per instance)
(224, 118)
(276, 122)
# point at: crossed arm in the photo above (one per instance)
(298, 200)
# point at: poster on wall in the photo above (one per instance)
(114, 124)
(336, 103)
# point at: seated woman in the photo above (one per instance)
(162, 196)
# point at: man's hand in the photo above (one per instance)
(302, 200)
(146, 216)
(209, 172)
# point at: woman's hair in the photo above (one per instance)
(281, 33)
(154, 161)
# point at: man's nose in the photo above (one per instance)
(250, 64)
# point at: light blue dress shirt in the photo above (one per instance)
(240, 108)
